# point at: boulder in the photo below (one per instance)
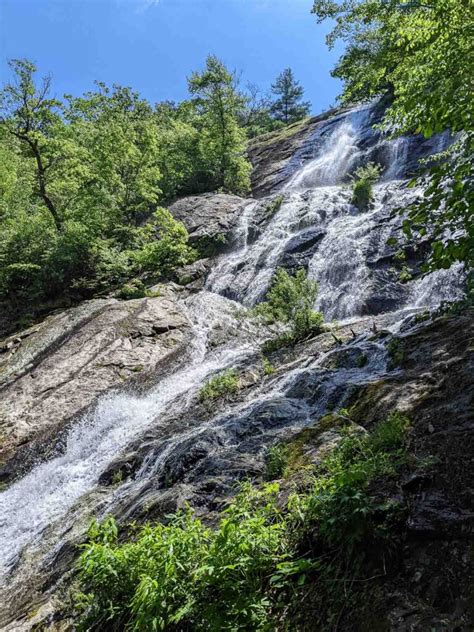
(55, 370)
(210, 219)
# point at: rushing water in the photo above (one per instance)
(315, 199)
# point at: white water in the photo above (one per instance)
(314, 198)
(51, 488)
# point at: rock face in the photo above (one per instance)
(54, 370)
(209, 219)
(188, 452)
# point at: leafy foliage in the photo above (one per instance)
(221, 140)
(290, 300)
(288, 107)
(221, 386)
(82, 180)
(362, 181)
(246, 573)
(420, 57)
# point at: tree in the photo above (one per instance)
(31, 117)
(288, 107)
(256, 117)
(420, 57)
(222, 141)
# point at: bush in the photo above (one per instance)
(221, 386)
(290, 301)
(166, 246)
(362, 182)
(276, 461)
(20, 280)
(133, 289)
(184, 574)
(245, 573)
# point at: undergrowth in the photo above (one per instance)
(249, 572)
(221, 386)
(290, 301)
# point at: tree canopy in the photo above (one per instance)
(288, 105)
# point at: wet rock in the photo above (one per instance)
(73, 357)
(194, 275)
(301, 248)
(434, 514)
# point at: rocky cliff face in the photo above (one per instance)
(100, 410)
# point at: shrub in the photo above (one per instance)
(166, 246)
(245, 573)
(276, 461)
(184, 574)
(362, 181)
(133, 289)
(221, 386)
(20, 279)
(290, 301)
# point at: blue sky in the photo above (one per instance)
(152, 45)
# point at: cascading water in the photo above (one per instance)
(316, 226)
(49, 490)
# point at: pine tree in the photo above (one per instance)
(288, 107)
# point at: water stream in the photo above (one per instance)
(346, 247)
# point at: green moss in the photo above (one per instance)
(275, 138)
(274, 205)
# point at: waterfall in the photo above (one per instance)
(342, 248)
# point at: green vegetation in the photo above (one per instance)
(82, 180)
(288, 106)
(276, 461)
(362, 181)
(268, 368)
(274, 205)
(221, 139)
(419, 57)
(405, 275)
(250, 571)
(395, 352)
(263, 114)
(222, 386)
(290, 300)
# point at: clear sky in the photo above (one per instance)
(152, 45)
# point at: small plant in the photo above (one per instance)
(133, 289)
(117, 477)
(274, 205)
(362, 181)
(290, 301)
(400, 256)
(245, 572)
(276, 461)
(268, 368)
(396, 352)
(423, 316)
(405, 275)
(222, 386)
